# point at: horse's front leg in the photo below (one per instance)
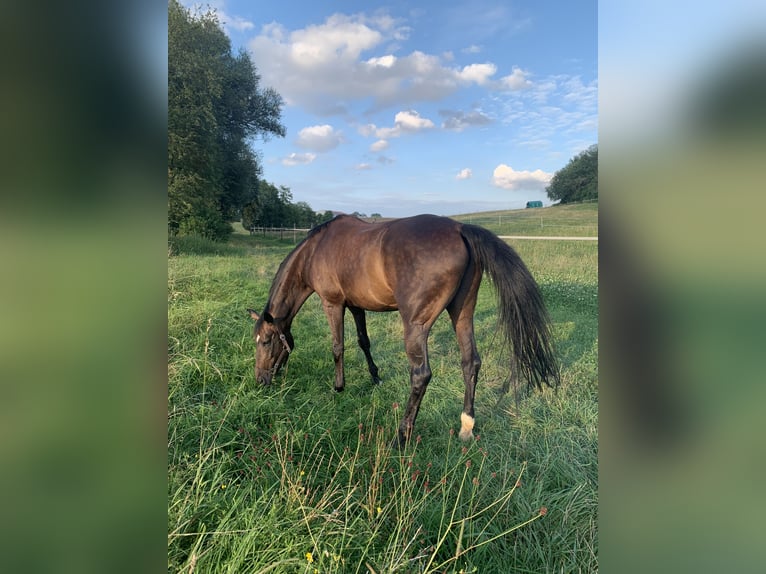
(364, 341)
(335, 319)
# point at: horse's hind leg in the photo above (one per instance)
(364, 341)
(470, 363)
(416, 344)
(461, 312)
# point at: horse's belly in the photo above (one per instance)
(372, 301)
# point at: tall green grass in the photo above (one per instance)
(298, 478)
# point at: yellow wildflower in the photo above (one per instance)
(309, 557)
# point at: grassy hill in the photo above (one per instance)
(578, 220)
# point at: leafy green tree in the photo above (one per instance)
(215, 107)
(578, 180)
(326, 216)
(303, 216)
(269, 208)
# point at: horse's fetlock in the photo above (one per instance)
(466, 426)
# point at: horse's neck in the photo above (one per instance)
(292, 290)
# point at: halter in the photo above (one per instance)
(285, 350)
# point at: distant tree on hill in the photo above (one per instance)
(578, 180)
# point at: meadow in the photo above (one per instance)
(298, 478)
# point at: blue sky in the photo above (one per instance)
(441, 107)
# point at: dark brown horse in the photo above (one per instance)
(419, 266)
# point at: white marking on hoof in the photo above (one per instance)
(466, 426)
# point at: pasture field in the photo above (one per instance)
(576, 220)
(296, 478)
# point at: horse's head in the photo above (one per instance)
(273, 344)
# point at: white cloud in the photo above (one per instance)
(298, 159)
(319, 138)
(516, 80)
(477, 73)
(363, 167)
(383, 61)
(367, 130)
(508, 178)
(472, 49)
(464, 174)
(408, 121)
(379, 145)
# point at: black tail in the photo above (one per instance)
(523, 316)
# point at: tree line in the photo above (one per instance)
(274, 207)
(216, 109)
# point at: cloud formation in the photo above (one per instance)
(319, 138)
(508, 178)
(298, 159)
(457, 120)
(408, 121)
(516, 81)
(464, 174)
(348, 58)
(379, 145)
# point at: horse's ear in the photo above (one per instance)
(253, 314)
(267, 317)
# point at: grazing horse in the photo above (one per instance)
(419, 266)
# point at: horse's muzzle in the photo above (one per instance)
(263, 376)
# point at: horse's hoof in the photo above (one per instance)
(466, 427)
(465, 435)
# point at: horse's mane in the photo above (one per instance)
(322, 226)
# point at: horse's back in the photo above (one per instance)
(425, 240)
(380, 266)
